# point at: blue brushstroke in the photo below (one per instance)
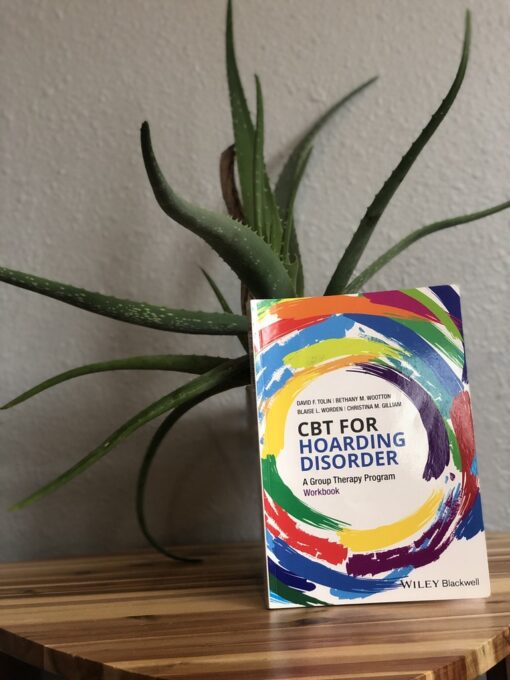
(395, 575)
(472, 524)
(275, 384)
(348, 595)
(287, 577)
(272, 358)
(474, 467)
(416, 345)
(277, 598)
(320, 574)
(415, 369)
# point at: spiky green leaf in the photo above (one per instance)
(217, 292)
(288, 181)
(249, 256)
(230, 371)
(150, 454)
(288, 249)
(246, 143)
(242, 124)
(362, 235)
(243, 338)
(137, 313)
(143, 474)
(267, 215)
(414, 236)
(261, 223)
(181, 363)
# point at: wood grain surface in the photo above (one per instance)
(141, 616)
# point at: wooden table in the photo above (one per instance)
(141, 616)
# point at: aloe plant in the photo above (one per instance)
(257, 239)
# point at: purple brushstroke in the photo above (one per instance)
(399, 300)
(451, 300)
(426, 549)
(439, 446)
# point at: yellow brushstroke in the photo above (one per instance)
(367, 540)
(277, 407)
(337, 347)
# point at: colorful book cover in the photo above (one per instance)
(369, 474)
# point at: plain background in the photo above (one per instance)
(77, 79)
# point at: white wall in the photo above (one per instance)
(77, 79)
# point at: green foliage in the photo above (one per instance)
(359, 241)
(229, 373)
(249, 256)
(257, 239)
(244, 132)
(145, 467)
(416, 235)
(290, 178)
(181, 363)
(243, 338)
(138, 313)
(153, 449)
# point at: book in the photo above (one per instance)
(368, 466)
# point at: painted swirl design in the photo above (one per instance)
(413, 340)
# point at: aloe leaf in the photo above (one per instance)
(233, 204)
(217, 292)
(182, 363)
(228, 184)
(137, 313)
(362, 235)
(243, 339)
(143, 474)
(261, 223)
(148, 459)
(414, 236)
(290, 228)
(245, 148)
(288, 180)
(290, 246)
(295, 269)
(242, 124)
(230, 371)
(267, 215)
(242, 249)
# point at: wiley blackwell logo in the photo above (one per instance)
(426, 584)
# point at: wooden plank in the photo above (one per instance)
(140, 616)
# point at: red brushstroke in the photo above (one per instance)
(280, 524)
(462, 422)
(283, 327)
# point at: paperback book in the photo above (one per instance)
(368, 466)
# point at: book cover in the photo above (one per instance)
(368, 465)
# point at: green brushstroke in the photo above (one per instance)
(291, 594)
(454, 446)
(281, 494)
(436, 309)
(433, 335)
(263, 307)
